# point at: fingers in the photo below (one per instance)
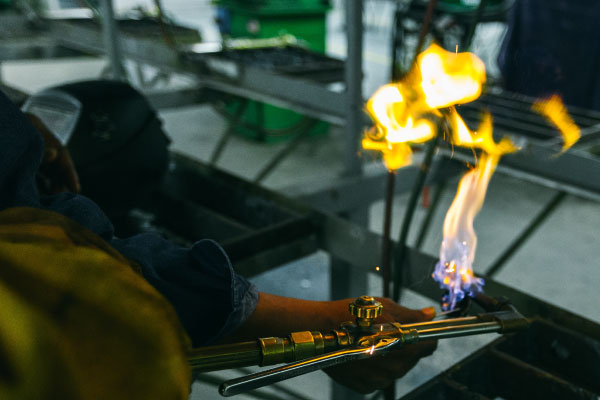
(394, 312)
(379, 372)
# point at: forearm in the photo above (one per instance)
(278, 316)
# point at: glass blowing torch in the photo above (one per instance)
(309, 351)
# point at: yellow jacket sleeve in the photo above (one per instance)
(76, 319)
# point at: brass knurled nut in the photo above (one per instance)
(365, 309)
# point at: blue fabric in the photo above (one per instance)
(553, 46)
(210, 299)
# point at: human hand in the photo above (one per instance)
(379, 372)
(57, 172)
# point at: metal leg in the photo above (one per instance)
(516, 244)
(348, 281)
(228, 132)
(353, 80)
(283, 153)
(466, 45)
(111, 40)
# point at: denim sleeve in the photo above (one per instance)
(210, 299)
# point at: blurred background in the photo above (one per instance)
(273, 92)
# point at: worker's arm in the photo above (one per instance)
(278, 316)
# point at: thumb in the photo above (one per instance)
(428, 313)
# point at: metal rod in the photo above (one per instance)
(233, 122)
(263, 378)
(353, 80)
(424, 29)
(290, 394)
(456, 331)
(473, 26)
(453, 321)
(437, 196)
(408, 216)
(225, 356)
(386, 253)
(283, 153)
(216, 381)
(520, 240)
(111, 40)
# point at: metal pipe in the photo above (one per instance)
(386, 253)
(283, 153)
(456, 331)
(263, 378)
(452, 321)
(233, 122)
(408, 216)
(471, 32)
(225, 356)
(353, 80)
(424, 29)
(111, 40)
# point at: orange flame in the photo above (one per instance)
(555, 111)
(440, 79)
(455, 268)
(450, 78)
(482, 139)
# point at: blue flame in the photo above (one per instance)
(454, 273)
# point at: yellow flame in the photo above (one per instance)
(450, 78)
(473, 186)
(482, 139)
(395, 155)
(457, 252)
(555, 111)
(458, 224)
(440, 79)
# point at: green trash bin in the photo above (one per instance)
(260, 19)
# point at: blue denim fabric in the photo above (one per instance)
(210, 299)
(553, 46)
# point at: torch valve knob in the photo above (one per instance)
(366, 309)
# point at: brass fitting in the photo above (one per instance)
(297, 346)
(366, 309)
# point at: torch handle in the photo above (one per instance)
(264, 378)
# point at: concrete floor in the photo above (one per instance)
(560, 264)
